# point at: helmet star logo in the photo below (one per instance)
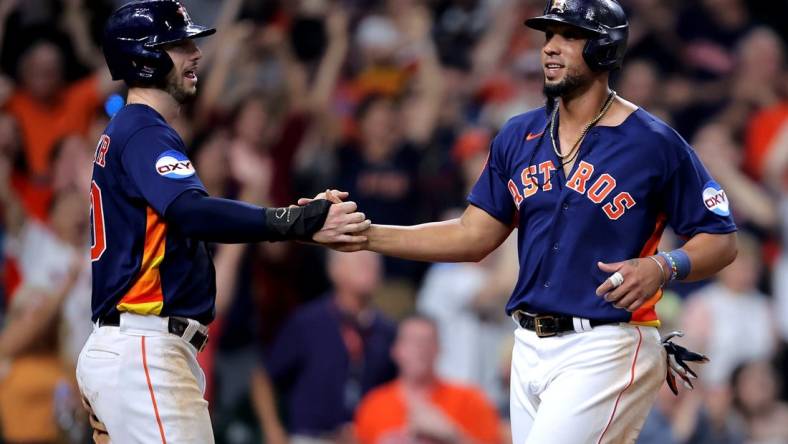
(558, 6)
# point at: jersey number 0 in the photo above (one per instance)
(97, 223)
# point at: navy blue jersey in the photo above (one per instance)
(628, 182)
(140, 264)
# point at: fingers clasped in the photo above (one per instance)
(343, 224)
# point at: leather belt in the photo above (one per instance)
(547, 325)
(175, 325)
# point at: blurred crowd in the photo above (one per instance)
(394, 101)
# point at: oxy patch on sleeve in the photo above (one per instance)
(173, 164)
(715, 199)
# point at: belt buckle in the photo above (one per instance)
(543, 323)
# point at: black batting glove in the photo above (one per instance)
(678, 357)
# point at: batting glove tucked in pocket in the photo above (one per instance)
(678, 357)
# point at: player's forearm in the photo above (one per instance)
(216, 220)
(227, 221)
(709, 253)
(447, 241)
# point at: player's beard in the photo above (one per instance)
(177, 89)
(569, 86)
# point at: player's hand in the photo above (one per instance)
(333, 196)
(642, 278)
(343, 224)
(677, 363)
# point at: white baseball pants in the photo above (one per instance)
(144, 383)
(585, 388)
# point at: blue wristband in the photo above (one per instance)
(683, 264)
(678, 262)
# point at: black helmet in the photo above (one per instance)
(134, 36)
(603, 19)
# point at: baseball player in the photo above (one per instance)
(590, 181)
(153, 278)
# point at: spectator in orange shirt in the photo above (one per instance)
(419, 408)
(48, 109)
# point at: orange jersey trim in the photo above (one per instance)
(145, 296)
(647, 315)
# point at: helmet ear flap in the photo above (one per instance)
(135, 64)
(150, 66)
(599, 54)
(606, 52)
(590, 54)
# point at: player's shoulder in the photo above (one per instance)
(136, 114)
(653, 132)
(139, 122)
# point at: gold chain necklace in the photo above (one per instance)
(569, 157)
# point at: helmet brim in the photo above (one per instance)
(542, 22)
(179, 35)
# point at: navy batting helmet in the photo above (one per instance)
(604, 20)
(134, 36)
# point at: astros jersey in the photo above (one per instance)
(628, 182)
(140, 264)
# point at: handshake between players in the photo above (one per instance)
(343, 222)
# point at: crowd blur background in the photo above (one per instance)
(394, 101)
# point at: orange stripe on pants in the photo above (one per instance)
(152, 396)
